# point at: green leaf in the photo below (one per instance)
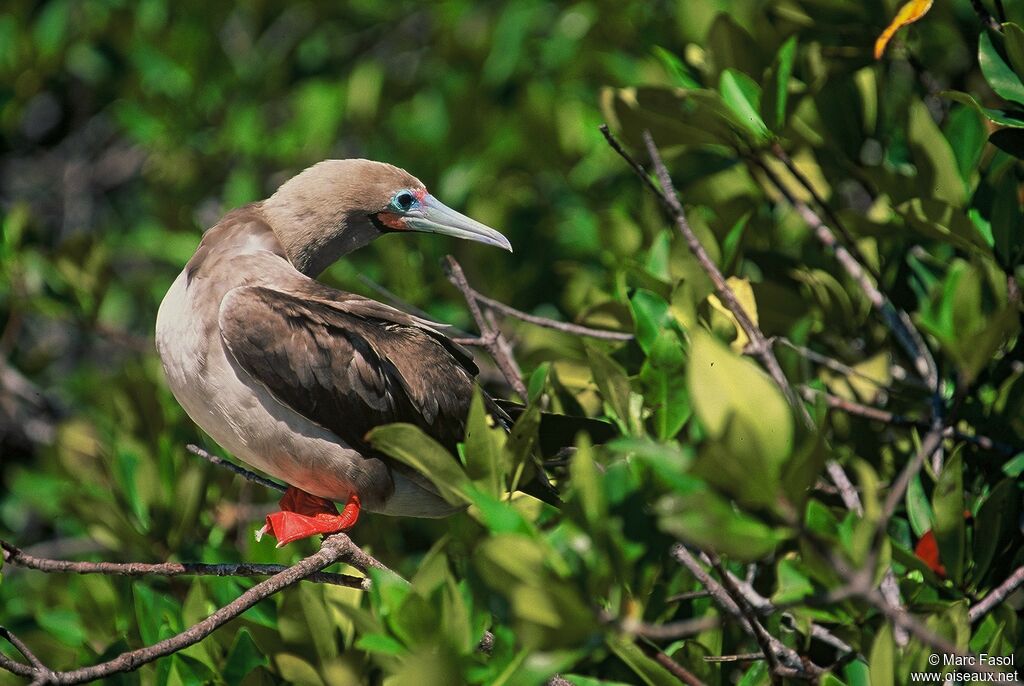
(676, 67)
(378, 643)
(731, 392)
(649, 671)
(792, 583)
(998, 74)
(966, 133)
(652, 316)
(708, 521)
(742, 94)
(612, 381)
(948, 504)
(1013, 37)
(937, 174)
(919, 510)
(969, 313)
(776, 92)
(803, 469)
(994, 523)
(1013, 118)
(882, 660)
(1009, 140)
(586, 485)
(484, 445)
(942, 221)
(243, 657)
(1014, 467)
(674, 116)
(664, 382)
(410, 445)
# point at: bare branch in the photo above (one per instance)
(789, 661)
(761, 635)
(670, 665)
(336, 547)
(669, 631)
(879, 415)
(490, 337)
(997, 595)
(564, 327)
(36, 668)
(745, 657)
(16, 556)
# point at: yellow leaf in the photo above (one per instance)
(745, 296)
(908, 14)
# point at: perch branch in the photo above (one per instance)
(334, 549)
(16, 556)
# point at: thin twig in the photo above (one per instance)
(38, 670)
(231, 466)
(689, 595)
(16, 556)
(745, 657)
(335, 548)
(670, 631)
(761, 635)
(670, 665)
(565, 327)
(490, 337)
(780, 153)
(884, 416)
(997, 595)
(791, 664)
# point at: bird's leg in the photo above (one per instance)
(303, 515)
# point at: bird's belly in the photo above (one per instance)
(245, 419)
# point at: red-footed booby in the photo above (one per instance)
(288, 374)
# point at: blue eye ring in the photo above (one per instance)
(403, 201)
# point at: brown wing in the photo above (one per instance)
(349, 363)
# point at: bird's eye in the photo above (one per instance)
(403, 201)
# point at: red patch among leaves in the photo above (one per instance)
(927, 550)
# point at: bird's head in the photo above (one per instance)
(337, 206)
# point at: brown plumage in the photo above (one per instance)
(288, 374)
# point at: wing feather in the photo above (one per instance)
(349, 363)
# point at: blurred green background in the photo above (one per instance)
(127, 128)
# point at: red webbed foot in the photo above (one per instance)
(303, 515)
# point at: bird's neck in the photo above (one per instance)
(314, 236)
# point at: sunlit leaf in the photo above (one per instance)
(907, 14)
(997, 72)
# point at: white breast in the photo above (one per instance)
(237, 412)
